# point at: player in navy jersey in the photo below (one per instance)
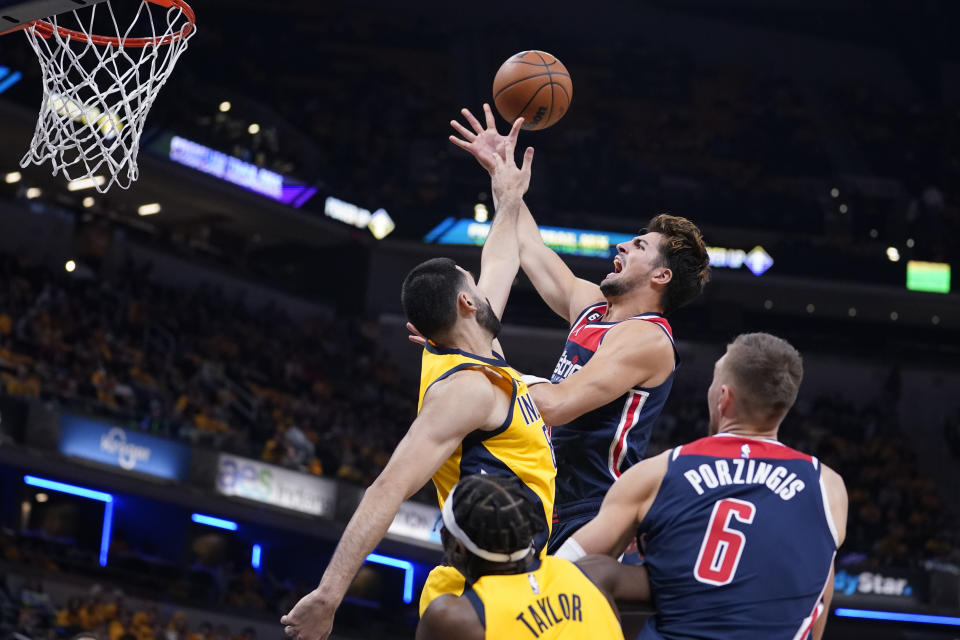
(739, 531)
(617, 366)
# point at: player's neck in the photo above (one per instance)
(749, 431)
(625, 306)
(476, 341)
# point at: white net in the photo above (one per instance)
(99, 85)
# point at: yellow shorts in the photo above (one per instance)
(443, 579)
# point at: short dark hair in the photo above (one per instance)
(766, 372)
(498, 512)
(429, 296)
(685, 254)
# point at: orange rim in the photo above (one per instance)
(46, 29)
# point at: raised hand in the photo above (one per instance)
(484, 143)
(506, 178)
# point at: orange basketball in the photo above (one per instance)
(535, 85)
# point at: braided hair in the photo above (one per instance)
(499, 515)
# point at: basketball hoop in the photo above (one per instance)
(98, 89)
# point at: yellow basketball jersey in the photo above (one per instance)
(553, 601)
(519, 447)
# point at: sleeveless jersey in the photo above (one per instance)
(739, 542)
(592, 451)
(520, 447)
(554, 600)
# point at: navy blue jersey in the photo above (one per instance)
(593, 450)
(738, 542)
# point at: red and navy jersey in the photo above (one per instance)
(738, 542)
(593, 450)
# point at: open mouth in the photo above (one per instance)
(617, 265)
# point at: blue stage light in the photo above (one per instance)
(255, 556)
(82, 492)
(896, 616)
(407, 567)
(210, 521)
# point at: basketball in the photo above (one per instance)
(535, 85)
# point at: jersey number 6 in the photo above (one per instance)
(721, 548)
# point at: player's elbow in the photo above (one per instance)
(548, 403)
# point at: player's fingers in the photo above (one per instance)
(515, 130)
(468, 135)
(290, 631)
(527, 159)
(413, 329)
(488, 113)
(471, 120)
(463, 144)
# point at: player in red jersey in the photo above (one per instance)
(617, 366)
(739, 530)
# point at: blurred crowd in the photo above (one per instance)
(317, 396)
(29, 613)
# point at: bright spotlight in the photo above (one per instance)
(253, 129)
(148, 209)
(70, 266)
(88, 202)
(480, 212)
(33, 192)
(12, 177)
(225, 106)
(893, 255)
(85, 183)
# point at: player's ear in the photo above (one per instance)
(725, 403)
(458, 555)
(662, 275)
(465, 302)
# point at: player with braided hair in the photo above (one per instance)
(490, 525)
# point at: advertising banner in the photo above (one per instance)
(269, 484)
(416, 521)
(128, 449)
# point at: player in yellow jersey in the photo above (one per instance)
(475, 413)
(490, 529)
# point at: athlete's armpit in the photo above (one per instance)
(623, 508)
(632, 354)
(450, 618)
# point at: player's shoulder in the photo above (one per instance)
(834, 482)
(474, 382)
(450, 617)
(635, 335)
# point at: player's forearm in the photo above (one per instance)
(500, 259)
(551, 277)
(559, 403)
(366, 528)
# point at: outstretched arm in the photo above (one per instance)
(632, 354)
(452, 409)
(563, 292)
(566, 294)
(624, 506)
(500, 259)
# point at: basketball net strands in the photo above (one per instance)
(98, 89)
